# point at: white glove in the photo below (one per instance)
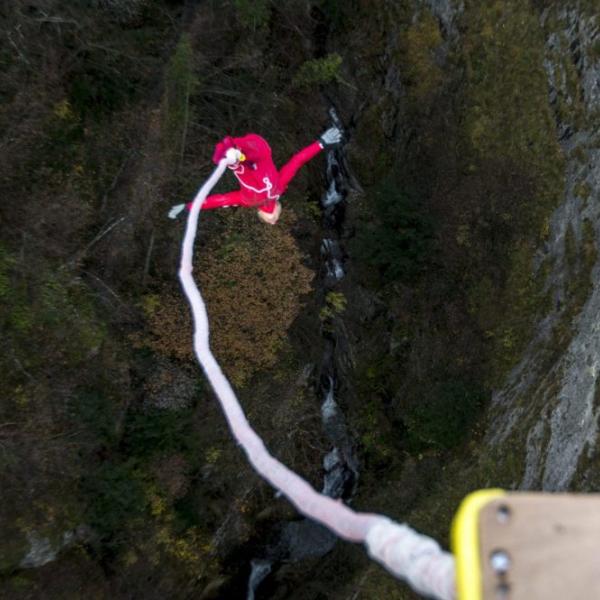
(331, 137)
(175, 210)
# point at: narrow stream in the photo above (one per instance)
(301, 539)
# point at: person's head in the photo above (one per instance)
(221, 150)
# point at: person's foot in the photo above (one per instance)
(270, 218)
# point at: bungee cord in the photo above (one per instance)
(408, 555)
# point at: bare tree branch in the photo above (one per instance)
(114, 182)
(79, 255)
(148, 258)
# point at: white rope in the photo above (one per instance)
(405, 553)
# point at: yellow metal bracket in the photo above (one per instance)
(465, 543)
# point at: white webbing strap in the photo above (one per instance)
(405, 553)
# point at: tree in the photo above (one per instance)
(252, 279)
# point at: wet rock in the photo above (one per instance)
(260, 569)
(447, 12)
(42, 550)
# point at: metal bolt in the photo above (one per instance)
(500, 561)
(503, 513)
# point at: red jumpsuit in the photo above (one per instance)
(261, 184)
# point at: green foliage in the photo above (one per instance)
(422, 74)
(342, 14)
(380, 435)
(110, 60)
(442, 415)
(116, 497)
(253, 14)
(101, 85)
(335, 303)
(94, 409)
(507, 114)
(161, 432)
(397, 240)
(62, 146)
(121, 490)
(72, 80)
(570, 247)
(506, 314)
(378, 439)
(491, 172)
(180, 81)
(319, 71)
(51, 308)
(13, 548)
(6, 262)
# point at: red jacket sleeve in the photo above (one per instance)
(289, 170)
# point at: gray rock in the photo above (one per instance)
(554, 406)
(43, 551)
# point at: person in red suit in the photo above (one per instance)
(261, 184)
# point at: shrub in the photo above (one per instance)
(397, 239)
(253, 14)
(97, 89)
(442, 416)
(252, 279)
(97, 412)
(422, 72)
(179, 85)
(47, 308)
(116, 496)
(319, 71)
(335, 303)
(161, 432)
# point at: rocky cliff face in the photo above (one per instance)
(549, 403)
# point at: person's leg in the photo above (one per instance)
(220, 200)
(270, 215)
(289, 170)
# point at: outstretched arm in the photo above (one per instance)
(219, 200)
(331, 137)
(289, 170)
(214, 201)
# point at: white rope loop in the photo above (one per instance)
(405, 553)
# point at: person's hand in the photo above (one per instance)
(331, 137)
(175, 210)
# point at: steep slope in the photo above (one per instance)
(550, 400)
